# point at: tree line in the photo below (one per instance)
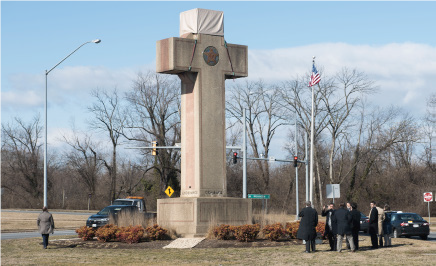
(374, 153)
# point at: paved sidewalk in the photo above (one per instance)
(184, 243)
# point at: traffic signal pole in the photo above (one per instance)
(296, 173)
(244, 154)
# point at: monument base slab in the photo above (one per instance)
(192, 217)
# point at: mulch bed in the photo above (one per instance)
(207, 243)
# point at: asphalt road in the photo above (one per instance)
(57, 212)
(21, 235)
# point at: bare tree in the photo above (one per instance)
(340, 100)
(264, 117)
(377, 136)
(84, 159)
(22, 160)
(154, 116)
(297, 97)
(109, 118)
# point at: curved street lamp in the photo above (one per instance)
(45, 121)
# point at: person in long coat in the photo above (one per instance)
(46, 226)
(330, 226)
(373, 224)
(343, 221)
(381, 218)
(307, 229)
(387, 227)
(355, 224)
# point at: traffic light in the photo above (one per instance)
(295, 161)
(154, 151)
(235, 157)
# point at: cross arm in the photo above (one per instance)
(238, 55)
(171, 55)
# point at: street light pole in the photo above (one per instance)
(45, 120)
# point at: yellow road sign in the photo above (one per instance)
(169, 191)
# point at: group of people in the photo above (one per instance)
(380, 226)
(344, 223)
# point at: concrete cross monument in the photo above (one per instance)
(203, 61)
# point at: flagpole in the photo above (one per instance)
(312, 134)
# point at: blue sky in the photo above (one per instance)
(393, 42)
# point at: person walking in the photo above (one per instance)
(387, 226)
(307, 229)
(373, 225)
(46, 225)
(342, 218)
(355, 224)
(330, 226)
(381, 217)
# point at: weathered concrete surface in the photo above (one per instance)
(203, 165)
(203, 62)
(192, 217)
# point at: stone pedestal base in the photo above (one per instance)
(192, 217)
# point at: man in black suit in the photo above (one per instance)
(307, 228)
(373, 225)
(342, 218)
(330, 226)
(355, 224)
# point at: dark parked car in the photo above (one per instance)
(364, 223)
(110, 212)
(408, 224)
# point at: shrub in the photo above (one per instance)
(106, 233)
(292, 229)
(247, 233)
(320, 228)
(274, 232)
(130, 234)
(85, 233)
(156, 232)
(224, 232)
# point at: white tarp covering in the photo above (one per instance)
(202, 21)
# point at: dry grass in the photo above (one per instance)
(134, 218)
(19, 221)
(272, 217)
(29, 251)
(404, 252)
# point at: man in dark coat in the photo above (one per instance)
(330, 226)
(355, 224)
(45, 225)
(307, 228)
(373, 225)
(343, 220)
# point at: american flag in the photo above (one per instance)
(315, 78)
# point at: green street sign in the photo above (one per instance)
(258, 196)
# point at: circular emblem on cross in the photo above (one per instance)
(211, 56)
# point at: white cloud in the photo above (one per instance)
(31, 99)
(404, 72)
(66, 84)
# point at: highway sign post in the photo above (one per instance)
(333, 191)
(262, 197)
(428, 196)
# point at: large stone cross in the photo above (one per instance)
(203, 62)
